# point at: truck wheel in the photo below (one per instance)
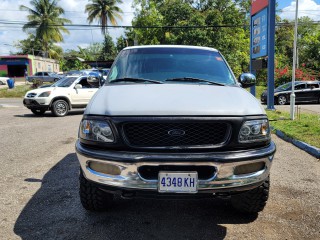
(93, 198)
(38, 111)
(60, 108)
(252, 201)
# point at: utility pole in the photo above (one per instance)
(293, 96)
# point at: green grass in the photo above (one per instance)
(16, 92)
(259, 90)
(306, 128)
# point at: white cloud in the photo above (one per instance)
(307, 8)
(74, 10)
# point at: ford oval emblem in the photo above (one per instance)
(176, 132)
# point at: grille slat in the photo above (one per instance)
(175, 134)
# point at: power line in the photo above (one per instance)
(82, 26)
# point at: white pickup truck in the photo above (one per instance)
(173, 122)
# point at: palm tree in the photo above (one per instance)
(104, 11)
(44, 21)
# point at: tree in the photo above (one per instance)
(45, 22)
(198, 23)
(71, 61)
(31, 45)
(121, 43)
(104, 11)
(92, 52)
(109, 51)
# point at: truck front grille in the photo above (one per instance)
(176, 134)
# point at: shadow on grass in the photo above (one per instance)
(55, 212)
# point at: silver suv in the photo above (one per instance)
(173, 121)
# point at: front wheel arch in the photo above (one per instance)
(60, 98)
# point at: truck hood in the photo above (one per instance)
(173, 100)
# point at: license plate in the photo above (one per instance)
(178, 182)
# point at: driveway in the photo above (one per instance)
(39, 193)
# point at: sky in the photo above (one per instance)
(74, 10)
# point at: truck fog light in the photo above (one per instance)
(105, 168)
(249, 168)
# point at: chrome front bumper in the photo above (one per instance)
(129, 162)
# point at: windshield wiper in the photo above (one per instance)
(190, 79)
(127, 79)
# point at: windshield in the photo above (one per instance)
(287, 86)
(171, 63)
(65, 82)
(284, 87)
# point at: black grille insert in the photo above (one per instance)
(187, 134)
(152, 172)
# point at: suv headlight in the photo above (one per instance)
(254, 131)
(45, 94)
(95, 130)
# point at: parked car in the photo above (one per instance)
(64, 95)
(3, 80)
(44, 77)
(305, 91)
(173, 122)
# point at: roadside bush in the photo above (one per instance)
(36, 83)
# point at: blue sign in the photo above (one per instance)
(259, 34)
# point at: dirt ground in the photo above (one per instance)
(39, 193)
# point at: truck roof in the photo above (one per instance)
(172, 46)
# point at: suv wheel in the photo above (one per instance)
(60, 108)
(282, 100)
(38, 111)
(93, 198)
(252, 201)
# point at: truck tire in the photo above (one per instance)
(60, 108)
(93, 198)
(252, 201)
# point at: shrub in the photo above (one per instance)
(36, 83)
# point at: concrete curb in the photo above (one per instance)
(314, 151)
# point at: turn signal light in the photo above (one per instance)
(249, 168)
(105, 168)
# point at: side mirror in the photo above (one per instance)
(78, 86)
(247, 80)
(94, 81)
(102, 81)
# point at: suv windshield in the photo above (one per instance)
(65, 82)
(171, 63)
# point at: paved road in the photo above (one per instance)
(39, 196)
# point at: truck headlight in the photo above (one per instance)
(254, 131)
(45, 94)
(95, 130)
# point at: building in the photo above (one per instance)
(15, 65)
